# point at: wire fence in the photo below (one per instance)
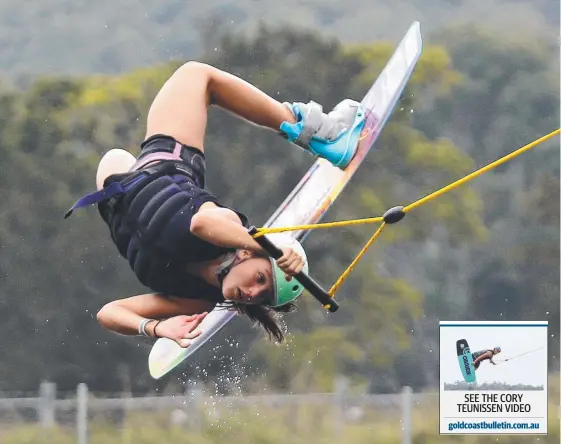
(193, 408)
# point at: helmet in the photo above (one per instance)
(498, 349)
(286, 291)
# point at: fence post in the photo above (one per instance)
(406, 407)
(197, 408)
(82, 413)
(341, 386)
(47, 396)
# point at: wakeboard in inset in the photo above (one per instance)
(315, 192)
(465, 360)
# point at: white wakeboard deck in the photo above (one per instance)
(315, 192)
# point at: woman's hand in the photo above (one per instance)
(180, 329)
(291, 262)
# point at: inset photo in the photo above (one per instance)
(493, 370)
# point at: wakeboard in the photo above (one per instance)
(465, 360)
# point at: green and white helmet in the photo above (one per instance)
(286, 291)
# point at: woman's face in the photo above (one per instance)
(250, 281)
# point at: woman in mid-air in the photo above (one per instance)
(181, 242)
(483, 355)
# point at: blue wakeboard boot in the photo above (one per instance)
(332, 136)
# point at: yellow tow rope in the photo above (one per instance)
(395, 214)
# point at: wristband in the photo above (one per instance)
(142, 327)
(154, 329)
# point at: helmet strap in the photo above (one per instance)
(229, 262)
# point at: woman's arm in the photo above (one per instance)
(222, 227)
(125, 315)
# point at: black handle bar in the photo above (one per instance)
(309, 284)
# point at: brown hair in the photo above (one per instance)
(266, 317)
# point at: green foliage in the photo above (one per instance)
(311, 360)
(509, 96)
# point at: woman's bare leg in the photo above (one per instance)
(180, 108)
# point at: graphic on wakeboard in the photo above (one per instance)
(316, 191)
(465, 360)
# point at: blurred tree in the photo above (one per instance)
(508, 96)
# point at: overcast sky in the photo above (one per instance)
(529, 369)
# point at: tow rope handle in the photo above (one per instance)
(309, 284)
